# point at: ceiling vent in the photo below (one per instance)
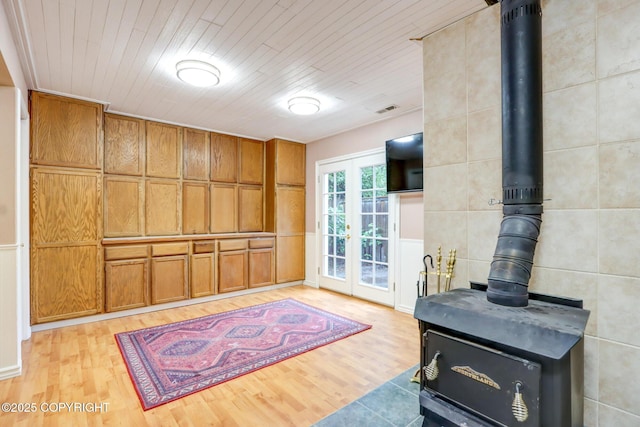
(387, 109)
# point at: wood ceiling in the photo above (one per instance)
(355, 56)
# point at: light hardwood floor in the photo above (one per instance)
(83, 364)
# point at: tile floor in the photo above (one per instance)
(394, 403)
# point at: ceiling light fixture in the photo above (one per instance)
(197, 73)
(304, 105)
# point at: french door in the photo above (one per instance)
(356, 225)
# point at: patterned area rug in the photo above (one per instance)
(168, 362)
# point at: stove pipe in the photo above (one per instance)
(521, 63)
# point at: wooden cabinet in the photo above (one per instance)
(250, 213)
(224, 213)
(126, 281)
(66, 230)
(123, 206)
(196, 155)
(169, 272)
(224, 158)
(162, 207)
(202, 264)
(261, 262)
(164, 150)
(195, 208)
(232, 265)
(124, 145)
(65, 132)
(251, 164)
(285, 206)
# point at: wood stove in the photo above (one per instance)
(484, 364)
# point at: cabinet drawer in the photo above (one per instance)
(260, 243)
(126, 252)
(204, 247)
(164, 249)
(232, 245)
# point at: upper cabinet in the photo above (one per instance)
(290, 164)
(123, 145)
(196, 155)
(164, 149)
(65, 132)
(251, 161)
(224, 158)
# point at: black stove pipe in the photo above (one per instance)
(521, 44)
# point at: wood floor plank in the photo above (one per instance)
(82, 364)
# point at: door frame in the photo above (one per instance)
(394, 205)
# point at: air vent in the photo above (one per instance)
(387, 109)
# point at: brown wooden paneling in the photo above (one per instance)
(224, 218)
(270, 186)
(196, 154)
(289, 258)
(164, 149)
(290, 210)
(290, 164)
(124, 145)
(123, 206)
(65, 282)
(261, 267)
(162, 207)
(195, 208)
(224, 157)
(66, 206)
(126, 284)
(169, 279)
(202, 275)
(65, 131)
(250, 213)
(232, 271)
(251, 164)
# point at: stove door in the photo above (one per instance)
(502, 387)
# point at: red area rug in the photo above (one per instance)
(171, 361)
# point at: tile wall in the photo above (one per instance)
(589, 246)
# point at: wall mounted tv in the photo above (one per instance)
(404, 163)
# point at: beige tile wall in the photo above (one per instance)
(589, 245)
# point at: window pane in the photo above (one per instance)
(382, 225)
(331, 183)
(340, 228)
(340, 202)
(366, 273)
(381, 176)
(340, 181)
(382, 204)
(340, 245)
(340, 270)
(382, 250)
(367, 225)
(382, 276)
(366, 249)
(331, 246)
(367, 204)
(367, 178)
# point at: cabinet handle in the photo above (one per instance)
(518, 407)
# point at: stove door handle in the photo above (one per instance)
(431, 371)
(518, 407)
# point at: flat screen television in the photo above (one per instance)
(404, 163)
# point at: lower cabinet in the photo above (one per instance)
(202, 265)
(169, 272)
(126, 284)
(261, 262)
(233, 262)
(290, 258)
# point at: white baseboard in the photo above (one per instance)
(10, 372)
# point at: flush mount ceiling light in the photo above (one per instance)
(197, 73)
(304, 105)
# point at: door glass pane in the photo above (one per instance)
(366, 273)
(333, 225)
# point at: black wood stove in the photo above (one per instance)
(496, 354)
(485, 364)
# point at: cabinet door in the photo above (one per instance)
(65, 132)
(202, 275)
(65, 282)
(169, 279)
(289, 258)
(251, 161)
(290, 210)
(123, 206)
(195, 208)
(223, 208)
(232, 271)
(162, 208)
(126, 284)
(196, 154)
(123, 145)
(164, 149)
(290, 163)
(261, 271)
(224, 158)
(250, 213)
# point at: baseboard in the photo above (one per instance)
(10, 372)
